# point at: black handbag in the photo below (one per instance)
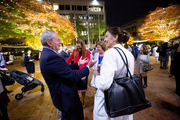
(6, 80)
(147, 67)
(126, 95)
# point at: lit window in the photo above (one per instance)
(80, 17)
(55, 7)
(68, 16)
(95, 8)
(83, 33)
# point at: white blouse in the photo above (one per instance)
(113, 67)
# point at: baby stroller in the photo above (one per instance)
(24, 79)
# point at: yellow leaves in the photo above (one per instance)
(3, 8)
(131, 40)
(39, 17)
(161, 24)
(30, 18)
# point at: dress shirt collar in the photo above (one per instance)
(50, 49)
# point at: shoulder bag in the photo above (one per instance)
(147, 67)
(6, 80)
(126, 95)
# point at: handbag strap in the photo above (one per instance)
(126, 63)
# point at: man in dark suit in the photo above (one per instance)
(60, 77)
(63, 53)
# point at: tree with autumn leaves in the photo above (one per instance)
(29, 18)
(161, 24)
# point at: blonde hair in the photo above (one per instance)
(102, 44)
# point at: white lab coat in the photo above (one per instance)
(156, 54)
(95, 58)
(112, 67)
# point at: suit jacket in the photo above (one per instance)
(61, 80)
(64, 55)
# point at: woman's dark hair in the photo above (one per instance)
(123, 35)
(26, 53)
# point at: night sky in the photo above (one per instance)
(120, 12)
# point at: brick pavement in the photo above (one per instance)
(37, 105)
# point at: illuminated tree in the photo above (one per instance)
(29, 18)
(161, 24)
(131, 40)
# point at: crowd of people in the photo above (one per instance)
(66, 73)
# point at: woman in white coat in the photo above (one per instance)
(112, 68)
(98, 56)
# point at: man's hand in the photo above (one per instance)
(83, 78)
(91, 63)
(3, 68)
(82, 61)
(98, 70)
(99, 67)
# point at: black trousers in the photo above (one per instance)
(4, 115)
(145, 80)
(75, 114)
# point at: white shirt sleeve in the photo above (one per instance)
(107, 71)
(2, 61)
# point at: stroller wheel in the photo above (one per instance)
(42, 88)
(23, 89)
(19, 96)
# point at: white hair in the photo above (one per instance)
(45, 36)
(65, 48)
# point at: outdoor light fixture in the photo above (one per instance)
(95, 2)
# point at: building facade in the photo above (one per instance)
(82, 8)
(132, 27)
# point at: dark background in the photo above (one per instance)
(120, 12)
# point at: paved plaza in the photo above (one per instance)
(36, 105)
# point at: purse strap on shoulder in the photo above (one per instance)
(126, 63)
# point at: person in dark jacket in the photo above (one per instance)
(168, 52)
(173, 50)
(29, 63)
(177, 76)
(60, 77)
(64, 53)
(162, 55)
